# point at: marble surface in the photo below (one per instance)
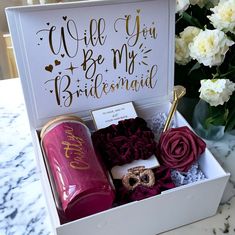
(22, 204)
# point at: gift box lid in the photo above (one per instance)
(80, 56)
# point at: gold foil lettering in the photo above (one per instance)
(89, 64)
(72, 39)
(88, 74)
(96, 30)
(78, 165)
(99, 87)
(74, 150)
(128, 57)
(134, 30)
(62, 85)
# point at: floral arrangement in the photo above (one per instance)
(205, 57)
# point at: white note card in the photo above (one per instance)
(113, 114)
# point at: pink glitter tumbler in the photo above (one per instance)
(79, 182)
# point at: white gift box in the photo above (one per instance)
(76, 57)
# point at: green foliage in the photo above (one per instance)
(217, 116)
(230, 124)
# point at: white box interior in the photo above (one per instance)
(155, 211)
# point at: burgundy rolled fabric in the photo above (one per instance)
(163, 182)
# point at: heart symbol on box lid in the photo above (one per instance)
(57, 62)
(49, 68)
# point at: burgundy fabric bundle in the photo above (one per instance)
(125, 142)
(162, 182)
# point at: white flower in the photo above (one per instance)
(189, 33)
(181, 51)
(216, 91)
(181, 5)
(223, 17)
(181, 44)
(209, 47)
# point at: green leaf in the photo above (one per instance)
(209, 5)
(231, 67)
(195, 67)
(179, 18)
(192, 20)
(231, 71)
(231, 121)
(217, 116)
(215, 120)
(231, 35)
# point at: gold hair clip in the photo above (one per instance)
(138, 176)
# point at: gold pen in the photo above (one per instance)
(179, 92)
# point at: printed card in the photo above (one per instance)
(113, 114)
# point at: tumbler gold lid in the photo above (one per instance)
(57, 120)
